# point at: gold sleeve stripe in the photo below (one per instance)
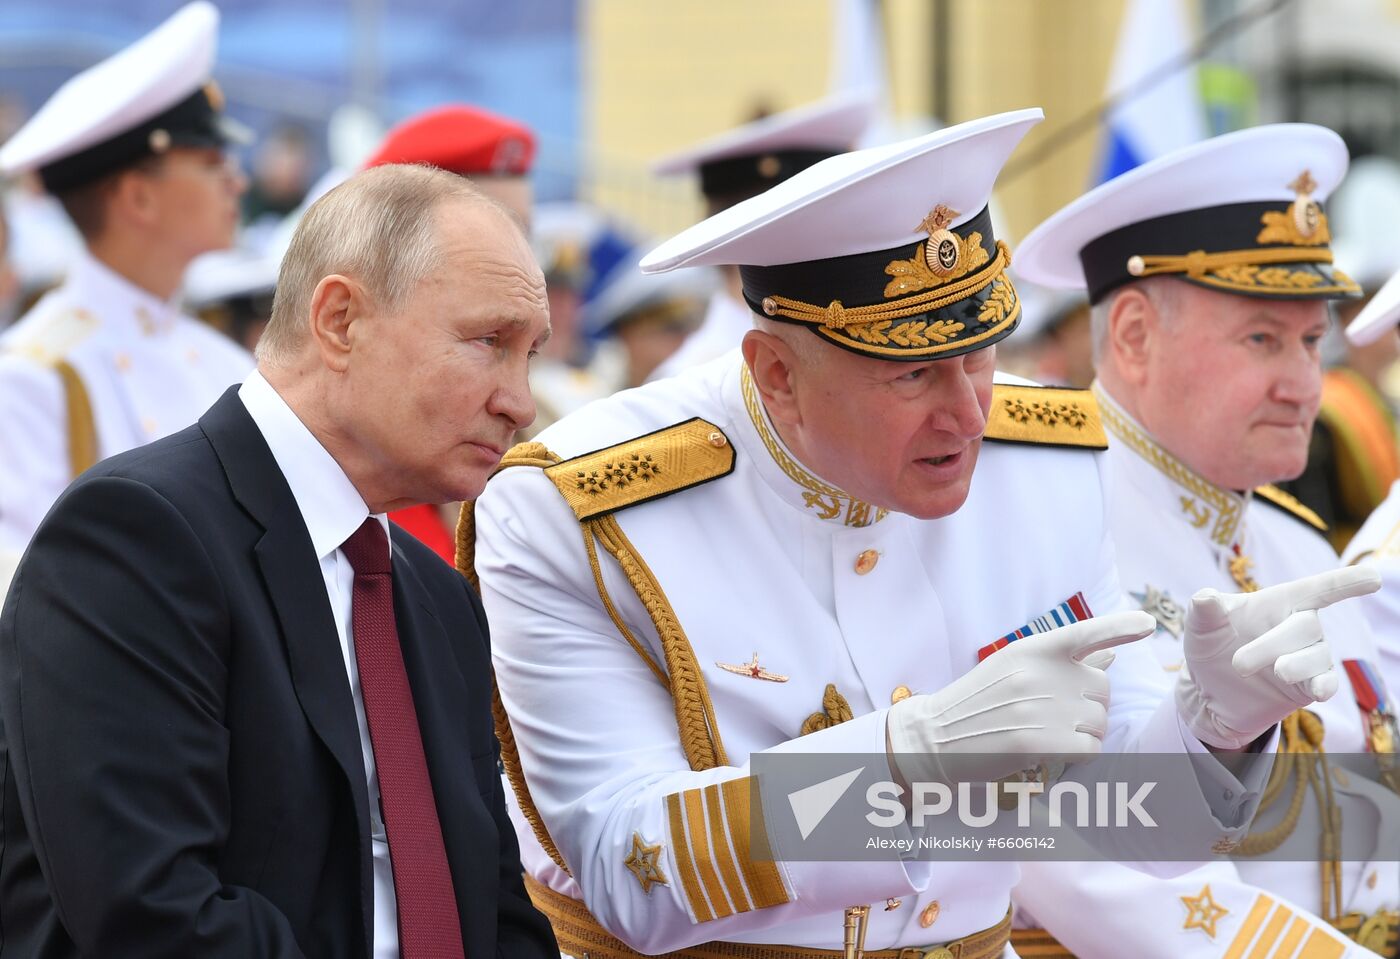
(1046, 416)
(1292, 938)
(680, 846)
(700, 850)
(747, 829)
(719, 841)
(1272, 931)
(1249, 927)
(1320, 945)
(643, 469)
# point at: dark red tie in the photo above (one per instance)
(429, 927)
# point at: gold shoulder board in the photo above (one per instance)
(51, 339)
(1290, 504)
(646, 468)
(1045, 415)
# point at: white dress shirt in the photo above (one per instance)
(332, 510)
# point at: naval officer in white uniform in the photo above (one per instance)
(788, 550)
(135, 149)
(1209, 271)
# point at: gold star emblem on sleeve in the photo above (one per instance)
(645, 863)
(1203, 912)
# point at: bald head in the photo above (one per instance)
(380, 228)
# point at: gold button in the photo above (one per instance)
(770, 305)
(122, 361)
(892, 904)
(148, 424)
(930, 914)
(717, 439)
(900, 694)
(1136, 266)
(866, 561)
(1371, 880)
(192, 355)
(942, 952)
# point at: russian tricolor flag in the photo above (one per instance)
(1165, 116)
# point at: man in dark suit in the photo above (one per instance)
(211, 657)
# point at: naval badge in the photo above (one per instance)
(1307, 214)
(644, 862)
(1377, 712)
(1203, 912)
(943, 248)
(1165, 610)
(752, 670)
(1240, 565)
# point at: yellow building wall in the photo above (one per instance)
(661, 76)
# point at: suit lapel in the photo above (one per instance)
(292, 574)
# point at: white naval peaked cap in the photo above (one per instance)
(107, 105)
(773, 148)
(1378, 316)
(1239, 212)
(902, 228)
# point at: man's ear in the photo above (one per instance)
(1133, 323)
(336, 304)
(773, 364)
(129, 198)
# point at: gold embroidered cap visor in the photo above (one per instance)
(944, 295)
(1256, 249)
(1241, 213)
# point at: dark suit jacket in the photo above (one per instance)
(181, 768)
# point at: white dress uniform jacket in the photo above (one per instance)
(144, 369)
(1378, 542)
(769, 565)
(1177, 533)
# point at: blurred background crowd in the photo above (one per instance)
(607, 88)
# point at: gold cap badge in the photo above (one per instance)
(1307, 214)
(944, 247)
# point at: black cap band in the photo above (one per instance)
(899, 304)
(193, 122)
(1267, 249)
(756, 172)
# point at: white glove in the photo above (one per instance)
(1253, 658)
(1043, 694)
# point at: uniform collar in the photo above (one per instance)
(1218, 513)
(121, 303)
(782, 471)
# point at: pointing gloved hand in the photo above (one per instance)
(1253, 658)
(1043, 694)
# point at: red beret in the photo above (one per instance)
(460, 139)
